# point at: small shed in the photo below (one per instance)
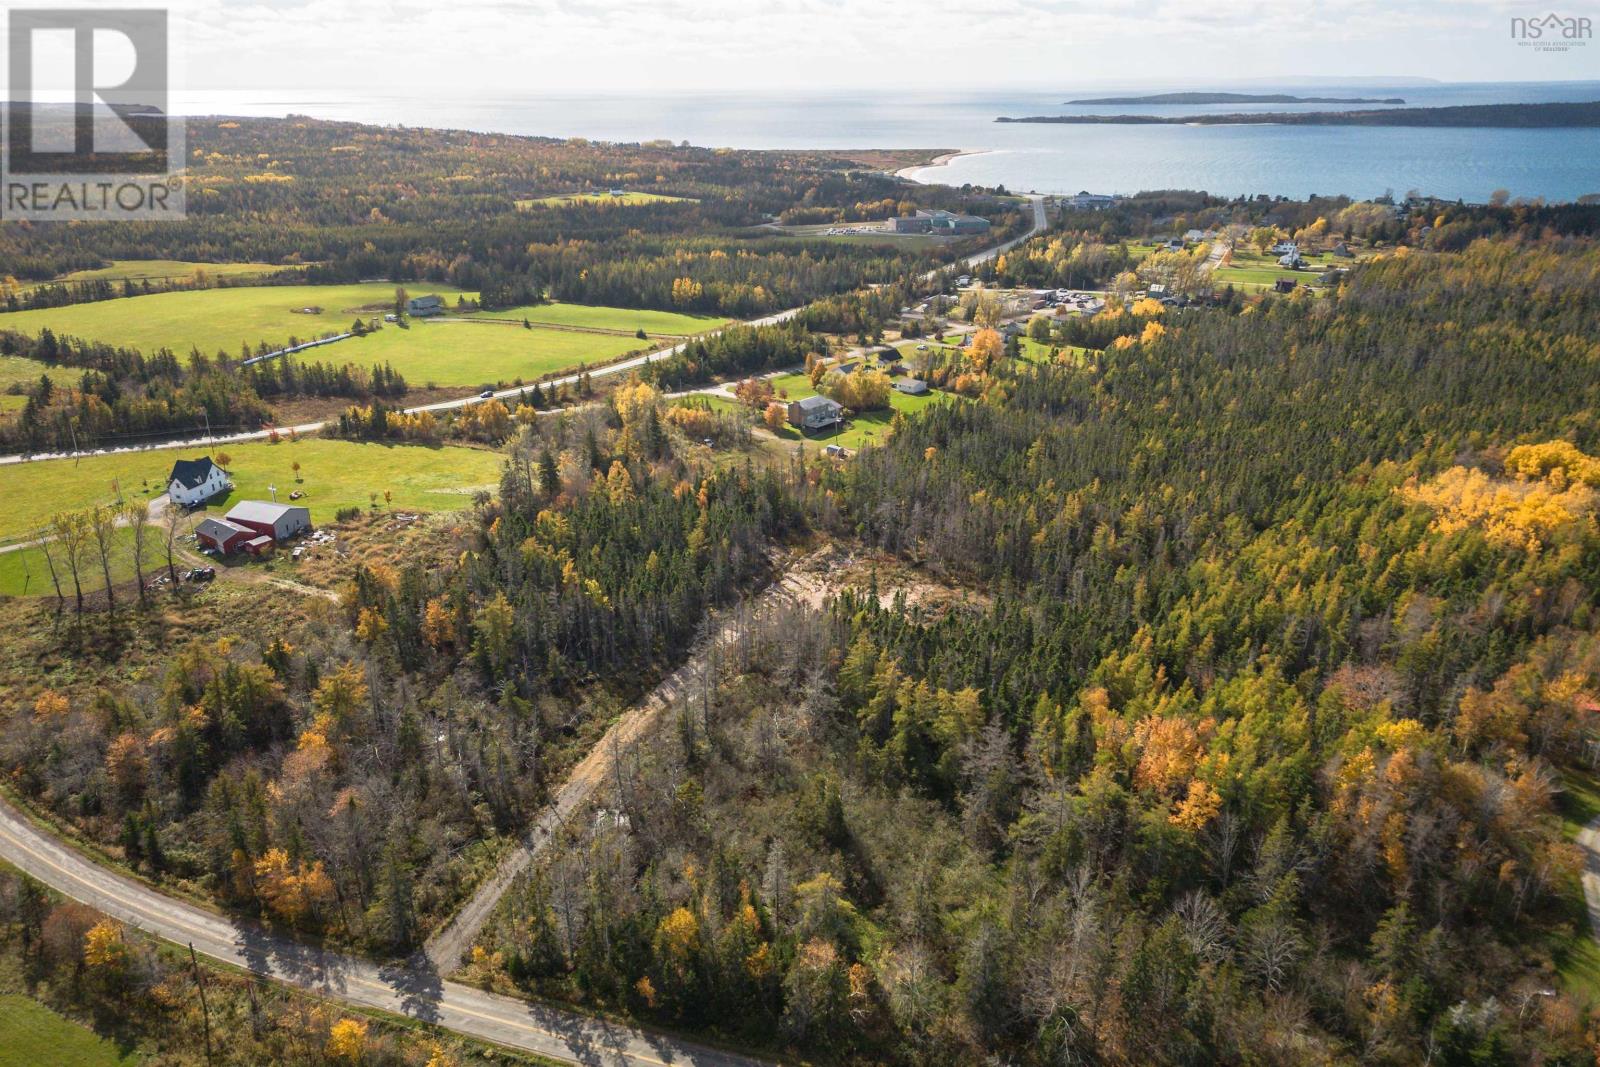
(911, 386)
(258, 546)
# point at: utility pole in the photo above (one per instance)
(205, 1008)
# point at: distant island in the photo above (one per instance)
(1237, 98)
(1507, 116)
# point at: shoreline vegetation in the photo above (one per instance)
(1507, 116)
(1237, 98)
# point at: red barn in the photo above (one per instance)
(277, 521)
(224, 536)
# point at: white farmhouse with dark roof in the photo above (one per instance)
(194, 481)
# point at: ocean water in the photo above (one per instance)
(1467, 164)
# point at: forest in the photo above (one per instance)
(1289, 659)
(1242, 675)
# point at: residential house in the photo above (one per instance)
(815, 413)
(422, 307)
(194, 481)
(911, 386)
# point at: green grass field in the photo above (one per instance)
(1250, 270)
(31, 1035)
(628, 198)
(164, 270)
(477, 353)
(336, 474)
(26, 572)
(217, 319)
(16, 369)
(585, 316)
(458, 354)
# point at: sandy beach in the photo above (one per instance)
(913, 173)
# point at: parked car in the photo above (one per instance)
(486, 394)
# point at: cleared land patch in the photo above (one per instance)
(868, 427)
(165, 270)
(335, 474)
(626, 199)
(478, 353)
(215, 320)
(586, 316)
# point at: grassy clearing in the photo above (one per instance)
(1577, 956)
(165, 270)
(478, 353)
(461, 353)
(32, 1034)
(14, 370)
(215, 320)
(627, 199)
(866, 428)
(25, 572)
(1250, 270)
(335, 474)
(586, 316)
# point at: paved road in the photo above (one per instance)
(413, 988)
(620, 367)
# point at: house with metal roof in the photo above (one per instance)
(815, 413)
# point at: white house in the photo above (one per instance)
(194, 481)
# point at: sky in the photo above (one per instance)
(404, 46)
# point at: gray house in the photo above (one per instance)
(424, 306)
(814, 413)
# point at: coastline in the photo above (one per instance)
(910, 173)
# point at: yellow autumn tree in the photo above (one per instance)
(438, 624)
(986, 347)
(347, 1041)
(103, 947)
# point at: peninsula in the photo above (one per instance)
(1236, 98)
(1509, 116)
